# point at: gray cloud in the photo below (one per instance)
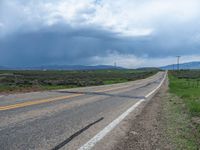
(61, 45)
(48, 32)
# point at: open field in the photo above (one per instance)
(16, 81)
(186, 84)
(184, 109)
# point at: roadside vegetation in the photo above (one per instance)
(183, 109)
(30, 80)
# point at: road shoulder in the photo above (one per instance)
(147, 130)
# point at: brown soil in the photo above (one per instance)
(147, 131)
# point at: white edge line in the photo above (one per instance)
(152, 92)
(114, 123)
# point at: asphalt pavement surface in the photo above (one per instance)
(66, 119)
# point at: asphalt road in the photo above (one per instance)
(66, 119)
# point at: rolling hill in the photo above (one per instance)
(188, 65)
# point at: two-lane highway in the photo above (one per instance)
(68, 119)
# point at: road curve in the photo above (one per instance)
(68, 119)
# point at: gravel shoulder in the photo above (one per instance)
(148, 129)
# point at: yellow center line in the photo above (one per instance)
(24, 104)
(19, 105)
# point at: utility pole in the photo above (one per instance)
(178, 61)
(115, 64)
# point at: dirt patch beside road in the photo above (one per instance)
(148, 129)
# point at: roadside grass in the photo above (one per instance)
(178, 126)
(189, 91)
(183, 110)
(37, 80)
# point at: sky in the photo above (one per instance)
(132, 33)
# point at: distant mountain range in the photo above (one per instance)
(148, 68)
(62, 67)
(188, 65)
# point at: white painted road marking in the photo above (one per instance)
(114, 123)
(152, 92)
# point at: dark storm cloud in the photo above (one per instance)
(54, 45)
(61, 45)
